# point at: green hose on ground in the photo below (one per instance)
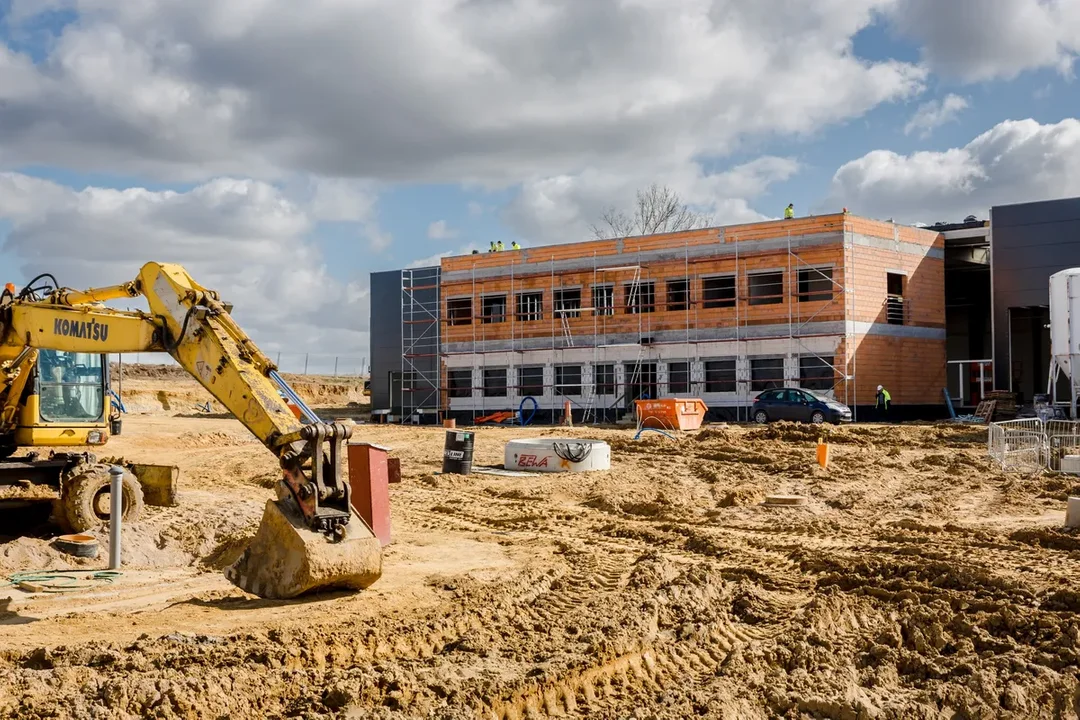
(59, 582)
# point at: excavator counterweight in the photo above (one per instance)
(311, 538)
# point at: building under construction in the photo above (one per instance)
(834, 303)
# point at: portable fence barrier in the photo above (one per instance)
(1030, 445)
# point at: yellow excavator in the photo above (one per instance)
(54, 393)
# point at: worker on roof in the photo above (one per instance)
(492, 248)
(499, 246)
(789, 211)
(884, 399)
(514, 245)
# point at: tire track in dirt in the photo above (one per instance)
(629, 679)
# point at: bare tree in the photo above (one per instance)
(658, 209)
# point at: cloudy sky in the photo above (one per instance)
(282, 151)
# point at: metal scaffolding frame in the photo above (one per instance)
(420, 382)
(843, 371)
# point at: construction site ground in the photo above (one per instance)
(917, 582)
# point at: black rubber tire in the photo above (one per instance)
(818, 418)
(85, 549)
(81, 494)
(761, 417)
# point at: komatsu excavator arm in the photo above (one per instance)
(194, 325)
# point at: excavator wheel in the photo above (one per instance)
(85, 499)
(286, 558)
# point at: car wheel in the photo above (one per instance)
(818, 417)
(760, 417)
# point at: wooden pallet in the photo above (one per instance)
(985, 410)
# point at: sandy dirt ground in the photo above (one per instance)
(918, 582)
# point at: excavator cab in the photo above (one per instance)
(67, 401)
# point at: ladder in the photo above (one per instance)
(566, 328)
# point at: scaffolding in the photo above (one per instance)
(419, 383)
(637, 377)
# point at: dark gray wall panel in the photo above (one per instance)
(1030, 242)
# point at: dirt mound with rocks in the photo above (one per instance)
(169, 389)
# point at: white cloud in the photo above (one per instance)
(439, 230)
(1015, 161)
(475, 208)
(564, 208)
(978, 40)
(935, 113)
(241, 237)
(390, 90)
(338, 199)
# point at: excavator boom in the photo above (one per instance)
(311, 538)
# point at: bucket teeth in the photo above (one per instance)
(286, 559)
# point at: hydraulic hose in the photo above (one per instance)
(291, 394)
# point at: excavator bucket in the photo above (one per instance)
(287, 559)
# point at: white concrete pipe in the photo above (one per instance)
(557, 455)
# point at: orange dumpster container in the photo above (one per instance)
(671, 413)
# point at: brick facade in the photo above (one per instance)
(682, 303)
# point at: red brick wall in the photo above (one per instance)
(911, 369)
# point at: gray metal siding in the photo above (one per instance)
(385, 326)
(387, 331)
(1029, 243)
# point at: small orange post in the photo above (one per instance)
(449, 423)
(568, 417)
(822, 453)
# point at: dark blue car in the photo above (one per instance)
(798, 405)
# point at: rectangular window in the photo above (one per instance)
(718, 292)
(766, 288)
(640, 297)
(459, 383)
(494, 309)
(568, 303)
(678, 294)
(567, 379)
(815, 284)
(531, 381)
(530, 306)
(720, 376)
(494, 382)
(816, 373)
(71, 386)
(678, 377)
(894, 301)
(604, 379)
(603, 299)
(459, 311)
(766, 373)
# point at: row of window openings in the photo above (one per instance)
(815, 284)
(815, 373)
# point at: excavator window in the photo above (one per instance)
(71, 386)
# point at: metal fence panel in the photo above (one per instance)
(1031, 444)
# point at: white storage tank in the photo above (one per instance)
(1065, 318)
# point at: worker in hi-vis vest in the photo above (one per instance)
(884, 399)
(789, 211)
